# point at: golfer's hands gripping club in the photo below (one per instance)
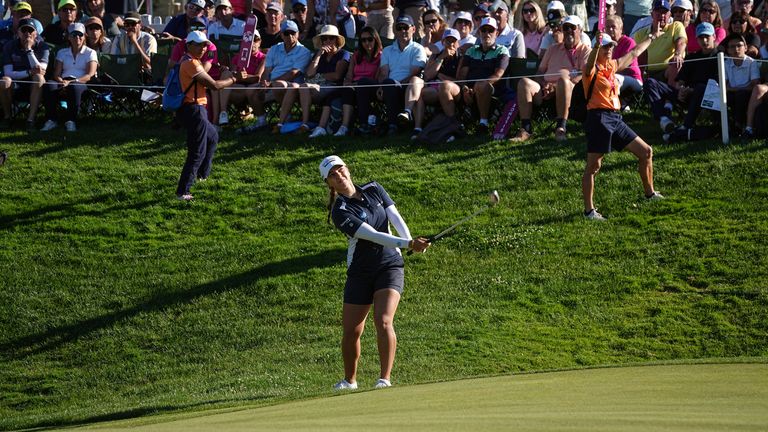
(419, 244)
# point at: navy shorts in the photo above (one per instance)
(360, 287)
(606, 131)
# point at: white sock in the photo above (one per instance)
(484, 121)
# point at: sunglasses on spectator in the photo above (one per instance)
(195, 8)
(68, 10)
(93, 27)
(289, 33)
(327, 38)
(402, 28)
(529, 10)
(737, 21)
(569, 27)
(299, 9)
(707, 10)
(462, 21)
(487, 30)
(76, 34)
(430, 22)
(26, 30)
(366, 39)
(678, 10)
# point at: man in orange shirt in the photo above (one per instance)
(202, 137)
(604, 127)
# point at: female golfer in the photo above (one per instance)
(604, 126)
(202, 137)
(374, 265)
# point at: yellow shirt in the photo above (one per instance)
(605, 94)
(663, 48)
(188, 70)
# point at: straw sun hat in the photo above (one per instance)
(328, 30)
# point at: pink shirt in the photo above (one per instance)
(625, 45)
(365, 68)
(210, 57)
(693, 43)
(257, 58)
(558, 58)
(533, 40)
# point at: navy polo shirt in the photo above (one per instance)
(13, 55)
(349, 213)
(177, 26)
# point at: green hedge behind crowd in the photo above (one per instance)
(118, 301)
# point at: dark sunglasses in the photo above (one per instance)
(402, 28)
(94, 27)
(462, 21)
(26, 30)
(738, 21)
(529, 11)
(76, 34)
(678, 10)
(299, 9)
(327, 38)
(430, 22)
(569, 27)
(487, 30)
(366, 39)
(289, 33)
(707, 10)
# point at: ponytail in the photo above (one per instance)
(331, 200)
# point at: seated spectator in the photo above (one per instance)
(561, 66)
(247, 89)
(9, 28)
(666, 54)
(326, 71)
(363, 70)
(688, 89)
(178, 27)
(401, 63)
(555, 16)
(534, 26)
(744, 6)
(94, 36)
(442, 67)
(226, 24)
(97, 9)
(629, 79)
(742, 75)
(435, 26)
(708, 12)
(480, 12)
(682, 10)
(299, 16)
(285, 66)
(272, 35)
(463, 23)
(24, 59)
(507, 35)
(132, 40)
(74, 67)
(740, 25)
(56, 33)
(380, 18)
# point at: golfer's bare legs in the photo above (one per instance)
(353, 322)
(385, 303)
(594, 161)
(644, 154)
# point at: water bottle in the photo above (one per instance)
(372, 120)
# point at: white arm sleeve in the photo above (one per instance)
(398, 222)
(366, 232)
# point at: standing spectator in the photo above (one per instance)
(363, 70)
(442, 67)
(634, 10)
(300, 17)
(604, 127)
(334, 12)
(740, 25)
(742, 75)
(708, 12)
(57, 33)
(435, 27)
(132, 40)
(202, 137)
(629, 78)
(480, 12)
(24, 59)
(74, 67)
(534, 27)
(226, 24)
(179, 25)
(402, 63)
(95, 38)
(379, 14)
(414, 9)
(667, 52)
(271, 35)
(562, 65)
(507, 35)
(326, 70)
(285, 66)
(97, 9)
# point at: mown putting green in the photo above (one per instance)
(702, 397)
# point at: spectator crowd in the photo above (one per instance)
(384, 66)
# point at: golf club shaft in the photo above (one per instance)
(439, 235)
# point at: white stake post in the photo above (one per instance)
(723, 97)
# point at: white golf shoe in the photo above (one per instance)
(345, 385)
(382, 383)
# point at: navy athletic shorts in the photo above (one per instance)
(360, 286)
(606, 131)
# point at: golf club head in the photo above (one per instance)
(493, 197)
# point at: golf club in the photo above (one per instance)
(493, 199)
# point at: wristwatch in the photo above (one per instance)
(651, 37)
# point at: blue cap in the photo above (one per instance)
(481, 7)
(661, 4)
(404, 19)
(705, 28)
(289, 25)
(450, 32)
(297, 2)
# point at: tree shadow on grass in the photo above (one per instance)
(25, 346)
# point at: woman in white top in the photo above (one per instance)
(74, 67)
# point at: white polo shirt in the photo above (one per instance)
(76, 66)
(216, 29)
(740, 76)
(401, 62)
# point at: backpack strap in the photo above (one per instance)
(187, 58)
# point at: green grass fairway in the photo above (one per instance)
(705, 397)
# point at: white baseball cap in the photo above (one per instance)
(574, 20)
(606, 40)
(328, 163)
(555, 4)
(683, 4)
(197, 37)
(488, 21)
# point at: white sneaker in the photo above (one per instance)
(342, 131)
(70, 126)
(223, 118)
(654, 197)
(318, 132)
(382, 383)
(594, 215)
(345, 385)
(667, 125)
(49, 125)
